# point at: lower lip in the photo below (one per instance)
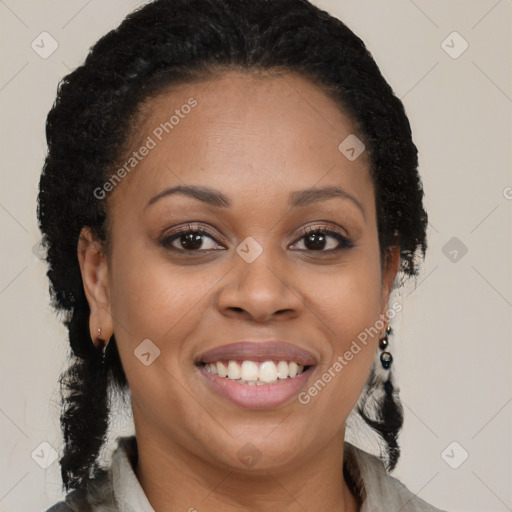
(266, 396)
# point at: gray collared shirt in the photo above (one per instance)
(118, 490)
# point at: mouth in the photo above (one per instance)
(256, 375)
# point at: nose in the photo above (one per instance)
(259, 291)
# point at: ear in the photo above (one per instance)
(94, 270)
(391, 266)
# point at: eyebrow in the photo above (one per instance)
(296, 199)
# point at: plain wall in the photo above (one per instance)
(452, 344)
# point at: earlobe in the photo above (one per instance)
(95, 279)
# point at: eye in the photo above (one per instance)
(190, 239)
(317, 239)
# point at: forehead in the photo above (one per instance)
(242, 132)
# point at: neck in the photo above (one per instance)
(175, 480)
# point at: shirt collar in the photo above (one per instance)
(128, 492)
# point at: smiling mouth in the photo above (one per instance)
(255, 373)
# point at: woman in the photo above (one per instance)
(230, 194)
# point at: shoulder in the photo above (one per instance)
(61, 506)
(106, 490)
(376, 487)
(96, 496)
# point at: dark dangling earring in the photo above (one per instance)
(102, 348)
(385, 358)
(380, 387)
(104, 352)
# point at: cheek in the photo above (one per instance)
(156, 300)
(350, 308)
(349, 298)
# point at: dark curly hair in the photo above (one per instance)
(169, 42)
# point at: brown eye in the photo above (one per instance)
(324, 240)
(190, 240)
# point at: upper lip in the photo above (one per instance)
(258, 351)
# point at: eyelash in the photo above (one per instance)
(344, 242)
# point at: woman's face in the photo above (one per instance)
(258, 151)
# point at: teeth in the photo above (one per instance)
(221, 370)
(253, 373)
(293, 369)
(249, 371)
(282, 370)
(268, 371)
(233, 370)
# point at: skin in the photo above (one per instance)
(255, 139)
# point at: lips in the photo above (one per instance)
(256, 375)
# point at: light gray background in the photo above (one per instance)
(452, 347)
